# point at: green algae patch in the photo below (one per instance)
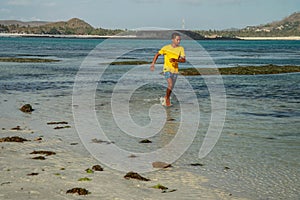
(130, 62)
(84, 179)
(159, 186)
(27, 60)
(241, 70)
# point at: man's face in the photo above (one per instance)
(176, 40)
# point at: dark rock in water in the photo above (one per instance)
(39, 158)
(135, 175)
(197, 164)
(270, 138)
(80, 191)
(146, 141)
(27, 108)
(47, 153)
(97, 168)
(33, 174)
(171, 119)
(161, 165)
(13, 139)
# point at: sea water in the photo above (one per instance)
(257, 154)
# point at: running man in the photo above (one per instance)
(173, 54)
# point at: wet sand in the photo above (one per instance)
(23, 177)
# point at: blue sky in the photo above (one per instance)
(131, 14)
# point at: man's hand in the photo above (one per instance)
(172, 60)
(152, 67)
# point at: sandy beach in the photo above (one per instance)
(23, 177)
(270, 38)
(126, 36)
(65, 36)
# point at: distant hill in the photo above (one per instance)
(73, 26)
(286, 27)
(21, 23)
(289, 26)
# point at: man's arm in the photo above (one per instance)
(180, 59)
(152, 67)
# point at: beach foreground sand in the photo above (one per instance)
(23, 177)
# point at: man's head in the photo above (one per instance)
(176, 38)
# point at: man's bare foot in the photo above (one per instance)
(168, 102)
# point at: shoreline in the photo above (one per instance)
(66, 36)
(270, 38)
(130, 37)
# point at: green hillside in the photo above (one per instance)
(289, 26)
(74, 26)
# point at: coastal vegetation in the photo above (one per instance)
(73, 26)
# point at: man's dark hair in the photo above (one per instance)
(174, 35)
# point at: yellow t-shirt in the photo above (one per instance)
(170, 52)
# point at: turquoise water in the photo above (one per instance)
(257, 155)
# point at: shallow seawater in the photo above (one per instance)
(257, 154)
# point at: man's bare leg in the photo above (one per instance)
(169, 91)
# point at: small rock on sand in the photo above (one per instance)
(159, 164)
(145, 141)
(27, 108)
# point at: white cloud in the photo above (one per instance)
(4, 10)
(146, 1)
(193, 2)
(50, 4)
(19, 2)
(30, 3)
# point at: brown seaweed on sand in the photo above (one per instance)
(97, 168)
(80, 191)
(52, 123)
(13, 139)
(39, 158)
(27, 108)
(33, 174)
(17, 128)
(135, 175)
(47, 153)
(61, 127)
